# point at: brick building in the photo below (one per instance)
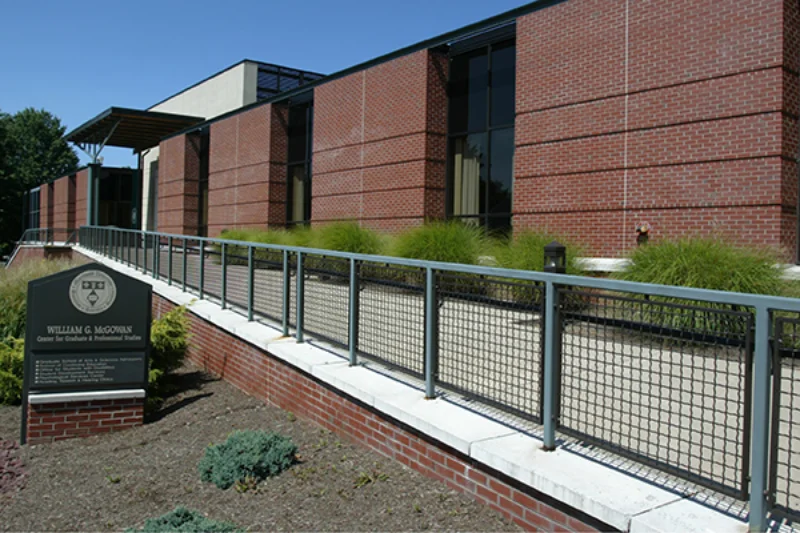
(585, 118)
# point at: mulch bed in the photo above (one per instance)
(116, 481)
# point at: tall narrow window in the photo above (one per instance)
(202, 185)
(481, 135)
(301, 117)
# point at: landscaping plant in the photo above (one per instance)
(247, 457)
(12, 353)
(705, 263)
(182, 520)
(169, 339)
(449, 242)
(525, 251)
(14, 292)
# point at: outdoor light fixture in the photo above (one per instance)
(642, 234)
(555, 258)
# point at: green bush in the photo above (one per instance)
(247, 456)
(237, 254)
(12, 352)
(706, 263)
(169, 339)
(14, 292)
(183, 520)
(450, 242)
(347, 237)
(526, 252)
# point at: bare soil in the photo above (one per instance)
(111, 482)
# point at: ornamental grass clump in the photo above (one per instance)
(183, 520)
(525, 251)
(14, 292)
(347, 237)
(247, 457)
(449, 242)
(704, 263)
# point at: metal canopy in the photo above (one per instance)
(128, 128)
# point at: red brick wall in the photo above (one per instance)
(687, 124)
(64, 202)
(178, 173)
(263, 376)
(247, 170)
(379, 144)
(59, 421)
(81, 190)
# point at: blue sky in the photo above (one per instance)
(77, 58)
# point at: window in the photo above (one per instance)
(115, 199)
(202, 185)
(481, 135)
(301, 117)
(32, 209)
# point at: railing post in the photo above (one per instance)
(136, 250)
(300, 296)
(144, 252)
(352, 336)
(223, 292)
(156, 256)
(287, 298)
(431, 333)
(202, 274)
(759, 463)
(183, 265)
(169, 260)
(250, 281)
(551, 385)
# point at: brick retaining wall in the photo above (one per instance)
(261, 375)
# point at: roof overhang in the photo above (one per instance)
(130, 128)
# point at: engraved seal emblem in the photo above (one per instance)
(92, 292)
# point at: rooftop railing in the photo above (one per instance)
(702, 385)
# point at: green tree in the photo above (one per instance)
(32, 151)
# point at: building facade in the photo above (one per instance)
(585, 118)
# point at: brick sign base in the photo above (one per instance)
(48, 422)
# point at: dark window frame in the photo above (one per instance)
(484, 217)
(305, 162)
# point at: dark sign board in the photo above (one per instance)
(88, 329)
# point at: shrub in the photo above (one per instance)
(12, 352)
(237, 254)
(14, 292)
(450, 242)
(245, 456)
(347, 237)
(706, 263)
(526, 252)
(184, 520)
(169, 338)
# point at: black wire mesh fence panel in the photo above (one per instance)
(490, 341)
(192, 257)
(327, 297)
(665, 383)
(391, 323)
(268, 283)
(784, 493)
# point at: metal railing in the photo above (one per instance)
(43, 236)
(700, 384)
